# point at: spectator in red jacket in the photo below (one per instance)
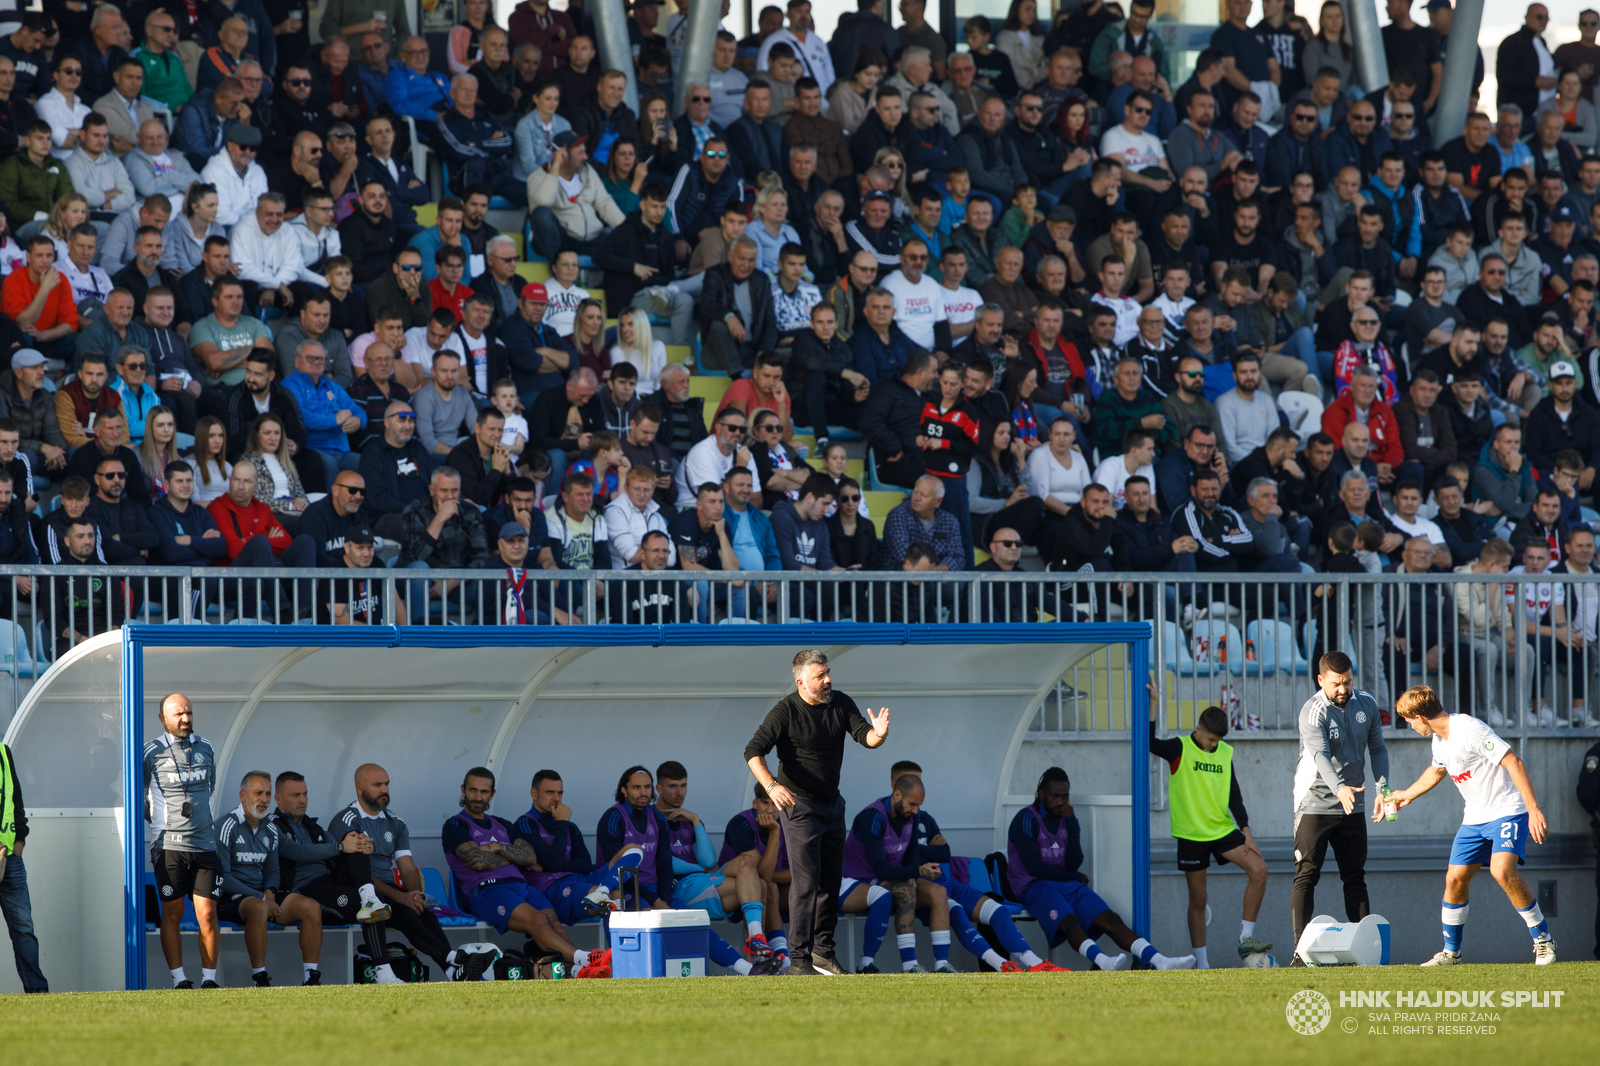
(1362, 398)
(256, 540)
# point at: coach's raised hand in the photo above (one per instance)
(880, 722)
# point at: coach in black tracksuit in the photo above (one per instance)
(808, 727)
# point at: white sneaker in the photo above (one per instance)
(1444, 958)
(1544, 951)
(1547, 717)
(1182, 962)
(1583, 719)
(1497, 720)
(598, 900)
(1188, 616)
(384, 975)
(372, 910)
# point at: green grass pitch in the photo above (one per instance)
(1225, 1016)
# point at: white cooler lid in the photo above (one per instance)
(653, 919)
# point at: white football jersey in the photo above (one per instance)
(1471, 756)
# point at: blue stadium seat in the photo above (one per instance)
(1276, 648)
(433, 883)
(15, 658)
(1178, 659)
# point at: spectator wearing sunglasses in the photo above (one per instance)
(295, 112)
(63, 109)
(126, 535)
(327, 520)
(395, 467)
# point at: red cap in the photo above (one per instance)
(534, 291)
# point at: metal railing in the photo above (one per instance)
(1247, 642)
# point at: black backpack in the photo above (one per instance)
(402, 959)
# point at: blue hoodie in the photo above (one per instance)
(1407, 233)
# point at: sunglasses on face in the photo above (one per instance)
(1139, 110)
(133, 366)
(356, 490)
(699, 99)
(411, 268)
(1009, 543)
(1029, 107)
(1192, 374)
(113, 475)
(716, 155)
(72, 72)
(298, 81)
(404, 416)
(850, 498)
(731, 428)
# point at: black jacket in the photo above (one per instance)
(590, 120)
(1079, 543)
(1544, 433)
(757, 146)
(241, 411)
(1465, 535)
(326, 529)
(1286, 157)
(811, 356)
(85, 459)
(478, 485)
(716, 303)
(370, 246)
(1516, 70)
(1041, 151)
(1143, 545)
(1478, 309)
(873, 135)
(892, 418)
(695, 203)
(381, 468)
(192, 299)
(627, 245)
(125, 532)
(404, 198)
(547, 420)
(993, 163)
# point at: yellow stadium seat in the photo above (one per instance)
(533, 271)
(427, 215)
(881, 503)
(979, 556)
(678, 353)
(806, 441)
(517, 239)
(856, 468)
(710, 388)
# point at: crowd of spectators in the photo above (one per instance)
(1261, 321)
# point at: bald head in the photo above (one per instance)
(177, 716)
(372, 787)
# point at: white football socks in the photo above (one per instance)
(1200, 961)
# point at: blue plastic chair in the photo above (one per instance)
(1178, 658)
(15, 658)
(1276, 648)
(433, 883)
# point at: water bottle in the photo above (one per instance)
(1222, 650)
(1391, 810)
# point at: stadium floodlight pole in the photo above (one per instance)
(699, 41)
(1372, 66)
(133, 810)
(1139, 787)
(1459, 64)
(611, 37)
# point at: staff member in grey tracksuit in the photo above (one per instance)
(1339, 726)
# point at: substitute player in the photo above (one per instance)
(1499, 816)
(1209, 821)
(1339, 727)
(1043, 852)
(718, 888)
(966, 903)
(883, 851)
(564, 872)
(485, 859)
(180, 774)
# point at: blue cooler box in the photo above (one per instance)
(660, 943)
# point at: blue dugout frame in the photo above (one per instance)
(137, 637)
